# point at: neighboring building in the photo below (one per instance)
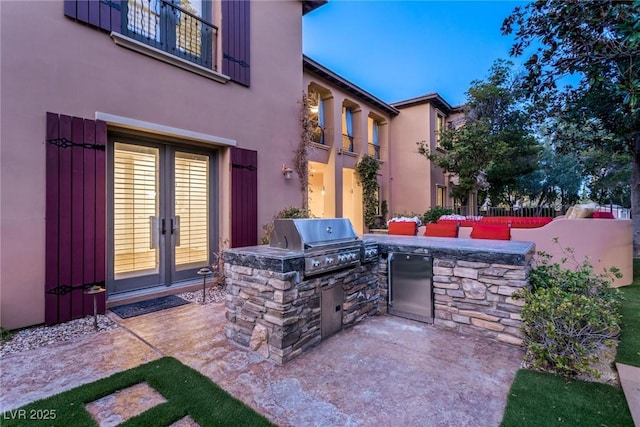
(416, 184)
(193, 112)
(140, 137)
(350, 123)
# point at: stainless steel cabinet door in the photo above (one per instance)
(410, 293)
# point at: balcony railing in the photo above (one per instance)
(374, 151)
(170, 28)
(347, 143)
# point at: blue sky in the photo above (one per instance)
(398, 50)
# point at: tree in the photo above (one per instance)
(597, 42)
(558, 178)
(495, 139)
(609, 177)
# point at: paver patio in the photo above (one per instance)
(385, 370)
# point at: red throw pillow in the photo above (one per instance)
(444, 229)
(403, 228)
(604, 215)
(490, 231)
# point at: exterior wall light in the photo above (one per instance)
(287, 172)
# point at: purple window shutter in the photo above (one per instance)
(235, 40)
(75, 216)
(244, 197)
(104, 14)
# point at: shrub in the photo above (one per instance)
(433, 214)
(290, 212)
(568, 315)
(5, 335)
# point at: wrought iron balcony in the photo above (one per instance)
(374, 151)
(347, 143)
(170, 28)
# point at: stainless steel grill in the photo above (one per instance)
(328, 244)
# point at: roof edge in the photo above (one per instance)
(311, 5)
(325, 73)
(432, 97)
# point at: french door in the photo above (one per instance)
(161, 214)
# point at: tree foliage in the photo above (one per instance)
(597, 42)
(598, 39)
(495, 140)
(557, 180)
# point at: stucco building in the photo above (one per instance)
(140, 137)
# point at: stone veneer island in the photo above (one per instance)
(273, 309)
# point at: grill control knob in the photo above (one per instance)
(315, 263)
(328, 260)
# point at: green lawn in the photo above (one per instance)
(187, 392)
(542, 399)
(629, 346)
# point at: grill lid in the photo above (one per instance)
(303, 234)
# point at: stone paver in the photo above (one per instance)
(118, 407)
(46, 371)
(385, 370)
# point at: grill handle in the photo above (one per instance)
(389, 277)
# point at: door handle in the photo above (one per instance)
(164, 226)
(389, 278)
(175, 229)
(154, 228)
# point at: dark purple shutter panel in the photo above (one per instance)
(104, 14)
(235, 40)
(75, 217)
(244, 197)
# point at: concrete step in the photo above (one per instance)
(630, 381)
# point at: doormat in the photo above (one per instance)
(143, 307)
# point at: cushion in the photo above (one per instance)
(569, 212)
(444, 229)
(605, 215)
(500, 220)
(491, 231)
(583, 211)
(403, 228)
(530, 222)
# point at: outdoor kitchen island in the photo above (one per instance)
(275, 309)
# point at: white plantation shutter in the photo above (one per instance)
(136, 202)
(191, 206)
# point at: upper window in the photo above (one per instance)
(316, 116)
(441, 194)
(179, 27)
(439, 128)
(374, 138)
(347, 129)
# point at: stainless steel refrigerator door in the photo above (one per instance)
(410, 293)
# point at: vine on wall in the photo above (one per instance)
(367, 172)
(302, 152)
